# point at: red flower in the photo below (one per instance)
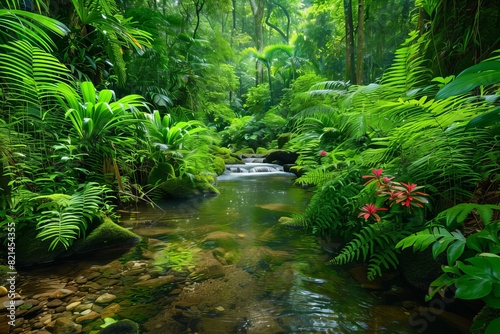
(370, 210)
(323, 153)
(377, 174)
(406, 194)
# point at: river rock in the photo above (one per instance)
(54, 303)
(219, 239)
(110, 311)
(91, 316)
(121, 327)
(281, 157)
(156, 282)
(82, 307)
(65, 325)
(208, 267)
(73, 305)
(3, 291)
(61, 294)
(105, 298)
(81, 280)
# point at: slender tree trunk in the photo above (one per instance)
(258, 16)
(233, 30)
(361, 43)
(349, 41)
(198, 4)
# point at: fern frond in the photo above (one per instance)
(375, 244)
(316, 176)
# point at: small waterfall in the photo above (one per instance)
(265, 169)
(252, 168)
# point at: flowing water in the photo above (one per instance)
(275, 280)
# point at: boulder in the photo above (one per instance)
(121, 327)
(281, 157)
(32, 251)
(65, 325)
(106, 235)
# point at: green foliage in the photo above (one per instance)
(331, 207)
(375, 244)
(95, 117)
(473, 262)
(252, 131)
(257, 99)
(65, 218)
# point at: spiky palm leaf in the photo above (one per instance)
(30, 27)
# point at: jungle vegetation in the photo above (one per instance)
(392, 106)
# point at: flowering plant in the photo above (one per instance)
(406, 194)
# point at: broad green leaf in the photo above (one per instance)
(455, 251)
(493, 327)
(489, 118)
(472, 287)
(468, 82)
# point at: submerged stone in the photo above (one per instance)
(121, 327)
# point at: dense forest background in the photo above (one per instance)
(390, 106)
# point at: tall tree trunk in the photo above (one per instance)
(349, 42)
(361, 43)
(258, 17)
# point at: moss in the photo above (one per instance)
(219, 165)
(246, 150)
(262, 150)
(108, 234)
(184, 188)
(227, 156)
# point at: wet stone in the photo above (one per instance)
(61, 293)
(60, 309)
(81, 280)
(73, 305)
(105, 298)
(54, 303)
(87, 317)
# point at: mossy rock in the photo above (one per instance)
(281, 157)
(106, 235)
(219, 165)
(31, 251)
(121, 327)
(184, 188)
(261, 150)
(246, 150)
(227, 155)
(221, 151)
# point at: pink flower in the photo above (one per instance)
(370, 210)
(323, 153)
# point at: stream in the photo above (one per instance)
(219, 264)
